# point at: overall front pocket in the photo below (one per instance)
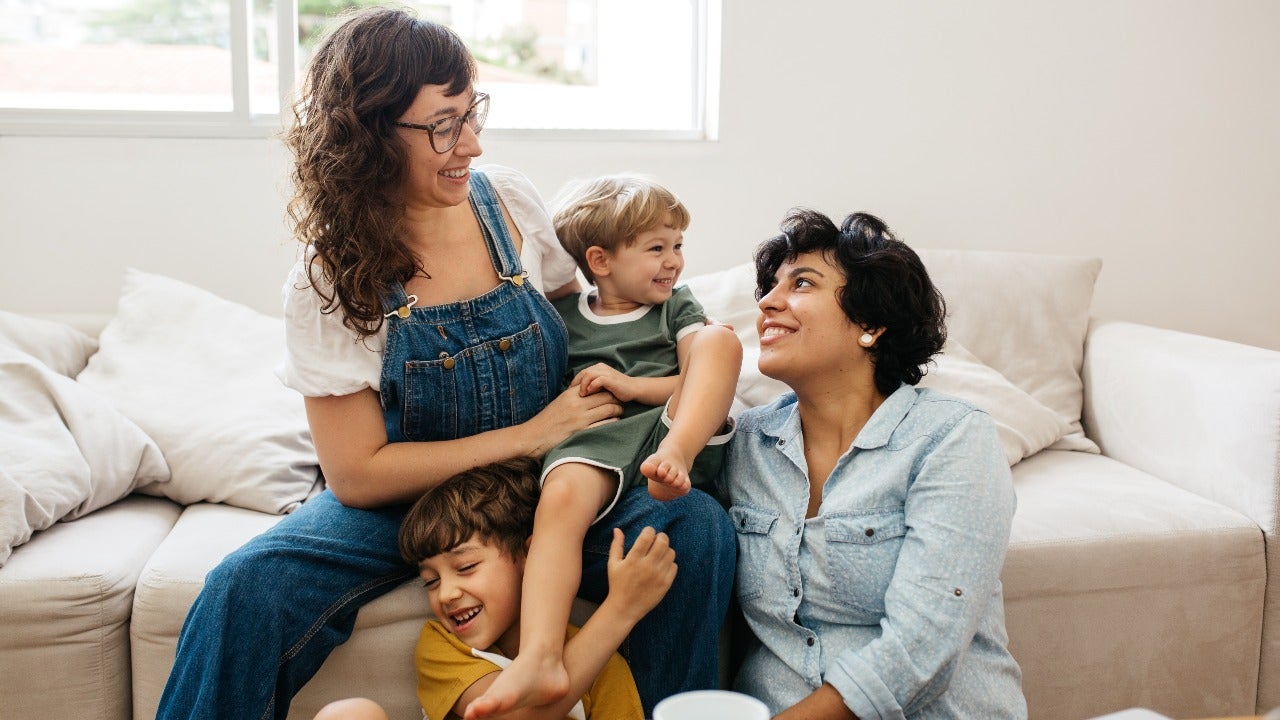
(494, 384)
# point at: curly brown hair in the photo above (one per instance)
(349, 164)
(495, 501)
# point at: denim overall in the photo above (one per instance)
(273, 610)
(456, 370)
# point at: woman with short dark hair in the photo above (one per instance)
(872, 516)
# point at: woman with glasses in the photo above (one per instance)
(420, 336)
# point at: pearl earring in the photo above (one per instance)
(866, 339)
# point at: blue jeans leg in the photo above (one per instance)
(675, 648)
(273, 610)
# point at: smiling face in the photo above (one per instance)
(642, 272)
(433, 179)
(474, 590)
(804, 333)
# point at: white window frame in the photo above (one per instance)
(239, 122)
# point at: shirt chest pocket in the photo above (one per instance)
(755, 550)
(862, 552)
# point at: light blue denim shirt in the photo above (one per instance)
(891, 593)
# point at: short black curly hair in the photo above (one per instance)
(886, 286)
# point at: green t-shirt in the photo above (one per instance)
(640, 343)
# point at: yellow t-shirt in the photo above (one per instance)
(447, 667)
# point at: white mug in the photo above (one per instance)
(711, 705)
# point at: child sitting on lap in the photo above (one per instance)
(639, 337)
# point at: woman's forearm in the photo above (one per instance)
(824, 703)
(365, 470)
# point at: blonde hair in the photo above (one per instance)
(610, 212)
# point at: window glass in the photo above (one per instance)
(116, 54)
(548, 64)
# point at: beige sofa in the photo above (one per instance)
(1147, 574)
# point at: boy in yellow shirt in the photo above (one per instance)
(468, 537)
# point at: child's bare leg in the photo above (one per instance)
(698, 409)
(352, 709)
(572, 496)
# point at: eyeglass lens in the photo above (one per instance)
(446, 134)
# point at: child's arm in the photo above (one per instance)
(648, 390)
(637, 582)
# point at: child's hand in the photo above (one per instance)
(641, 579)
(602, 377)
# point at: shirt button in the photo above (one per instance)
(809, 642)
(959, 592)
(743, 522)
(795, 592)
(870, 532)
(797, 529)
(782, 443)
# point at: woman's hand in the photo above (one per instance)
(568, 413)
(639, 581)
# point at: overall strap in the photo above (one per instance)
(497, 238)
(395, 299)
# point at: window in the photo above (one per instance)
(216, 67)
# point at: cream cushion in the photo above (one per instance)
(1025, 316)
(196, 372)
(63, 348)
(67, 598)
(64, 450)
(1122, 583)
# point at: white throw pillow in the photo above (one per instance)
(64, 451)
(196, 372)
(1025, 425)
(1026, 316)
(61, 347)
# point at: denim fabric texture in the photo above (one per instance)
(273, 610)
(891, 592)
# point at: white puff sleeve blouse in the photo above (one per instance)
(324, 357)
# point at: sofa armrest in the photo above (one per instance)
(1201, 413)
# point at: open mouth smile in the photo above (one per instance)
(463, 618)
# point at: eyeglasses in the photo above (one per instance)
(444, 134)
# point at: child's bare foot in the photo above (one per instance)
(668, 473)
(530, 681)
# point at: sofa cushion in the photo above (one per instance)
(64, 450)
(63, 348)
(1026, 316)
(1121, 589)
(196, 372)
(67, 597)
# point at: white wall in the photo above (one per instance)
(1146, 132)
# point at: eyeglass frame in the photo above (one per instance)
(430, 128)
